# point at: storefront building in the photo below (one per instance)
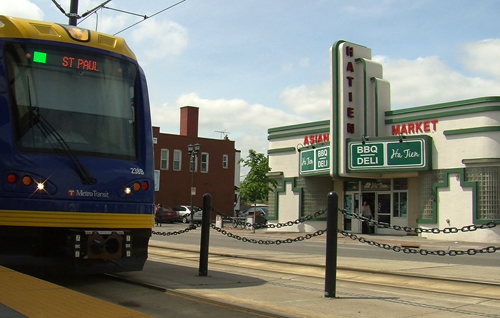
(433, 166)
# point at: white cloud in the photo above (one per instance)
(482, 57)
(312, 101)
(21, 9)
(423, 81)
(246, 123)
(429, 80)
(160, 38)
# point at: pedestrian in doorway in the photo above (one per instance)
(366, 211)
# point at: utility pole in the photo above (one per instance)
(73, 12)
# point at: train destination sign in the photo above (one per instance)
(387, 154)
(315, 160)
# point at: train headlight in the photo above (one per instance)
(40, 186)
(127, 190)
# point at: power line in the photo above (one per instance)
(145, 16)
(103, 6)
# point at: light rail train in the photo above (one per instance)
(76, 154)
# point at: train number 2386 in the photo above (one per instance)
(136, 171)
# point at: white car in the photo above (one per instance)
(184, 212)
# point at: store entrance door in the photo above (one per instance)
(383, 212)
(367, 207)
(351, 204)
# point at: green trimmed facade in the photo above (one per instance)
(451, 178)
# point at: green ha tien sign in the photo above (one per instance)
(394, 155)
(315, 160)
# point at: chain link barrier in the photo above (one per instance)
(418, 230)
(370, 221)
(189, 228)
(249, 225)
(267, 242)
(407, 229)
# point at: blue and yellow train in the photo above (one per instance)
(76, 154)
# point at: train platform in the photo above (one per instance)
(272, 292)
(23, 296)
(292, 293)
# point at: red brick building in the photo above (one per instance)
(214, 171)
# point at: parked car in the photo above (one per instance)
(262, 212)
(197, 216)
(184, 212)
(164, 214)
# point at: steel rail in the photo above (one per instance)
(452, 286)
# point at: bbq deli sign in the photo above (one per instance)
(402, 154)
(314, 161)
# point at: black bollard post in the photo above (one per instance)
(331, 245)
(205, 235)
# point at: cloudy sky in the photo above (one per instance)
(251, 65)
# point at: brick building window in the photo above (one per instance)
(177, 160)
(225, 161)
(164, 159)
(204, 162)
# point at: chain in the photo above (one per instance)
(407, 250)
(410, 250)
(243, 224)
(268, 242)
(418, 230)
(190, 228)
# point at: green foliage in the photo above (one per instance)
(257, 185)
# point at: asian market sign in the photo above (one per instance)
(392, 155)
(315, 161)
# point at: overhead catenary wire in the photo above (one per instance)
(103, 6)
(144, 16)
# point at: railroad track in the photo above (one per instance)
(452, 286)
(235, 282)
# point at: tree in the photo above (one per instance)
(257, 185)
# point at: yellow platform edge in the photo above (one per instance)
(36, 298)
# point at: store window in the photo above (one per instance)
(351, 185)
(488, 187)
(400, 198)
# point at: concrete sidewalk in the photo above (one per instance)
(296, 295)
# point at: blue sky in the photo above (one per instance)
(250, 65)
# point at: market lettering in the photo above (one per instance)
(80, 64)
(316, 139)
(418, 127)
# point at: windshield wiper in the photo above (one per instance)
(48, 130)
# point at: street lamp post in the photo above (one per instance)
(193, 153)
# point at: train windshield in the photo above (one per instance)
(72, 98)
